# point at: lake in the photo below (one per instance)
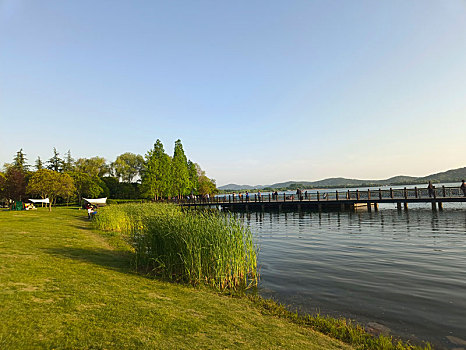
(405, 270)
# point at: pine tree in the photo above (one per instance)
(156, 173)
(39, 164)
(55, 162)
(179, 168)
(19, 161)
(68, 162)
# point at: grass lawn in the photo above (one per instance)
(66, 286)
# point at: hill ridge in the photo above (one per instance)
(452, 175)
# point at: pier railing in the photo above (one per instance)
(348, 195)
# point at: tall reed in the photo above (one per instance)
(187, 246)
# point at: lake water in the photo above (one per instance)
(403, 270)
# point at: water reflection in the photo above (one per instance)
(404, 269)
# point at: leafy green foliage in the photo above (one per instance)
(87, 186)
(95, 166)
(193, 176)
(51, 184)
(127, 166)
(120, 190)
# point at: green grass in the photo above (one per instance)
(186, 246)
(66, 286)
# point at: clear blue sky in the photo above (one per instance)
(258, 91)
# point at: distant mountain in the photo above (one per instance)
(454, 175)
(234, 187)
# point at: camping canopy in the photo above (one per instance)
(96, 201)
(46, 200)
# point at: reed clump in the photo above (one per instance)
(186, 246)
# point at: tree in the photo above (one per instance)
(156, 172)
(86, 185)
(127, 166)
(2, 185)
(39, 164)
(180, 175)
(95, 166)
(15, 184)
(206, 185)
(55, 163)
(51, 184)
(193, 176)
(68, 162)
(19, 161)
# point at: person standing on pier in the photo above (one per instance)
(463, 187)
(431, 189)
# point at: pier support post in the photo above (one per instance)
(405, 205)
(398, 206)
(263, 207)
(369, 206)
(376, 206)
(440, 205)
(342, 206)
(319, 207)
(434, 207)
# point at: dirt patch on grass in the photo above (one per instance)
(42, 301)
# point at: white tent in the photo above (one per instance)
(96, 201)
(46, 200)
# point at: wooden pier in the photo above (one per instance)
(331, 201)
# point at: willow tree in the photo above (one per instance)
(95, 166)
(127, 166)
(156, 172)
(180, 173)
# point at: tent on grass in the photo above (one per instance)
(96, 201)
(46, 200)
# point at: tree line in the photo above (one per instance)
(156, 176)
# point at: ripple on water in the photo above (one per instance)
(405, 270)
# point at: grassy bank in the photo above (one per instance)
(65, 286)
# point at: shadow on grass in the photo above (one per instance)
(81, 227)
(114, 260)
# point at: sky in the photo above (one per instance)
(259, 92)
